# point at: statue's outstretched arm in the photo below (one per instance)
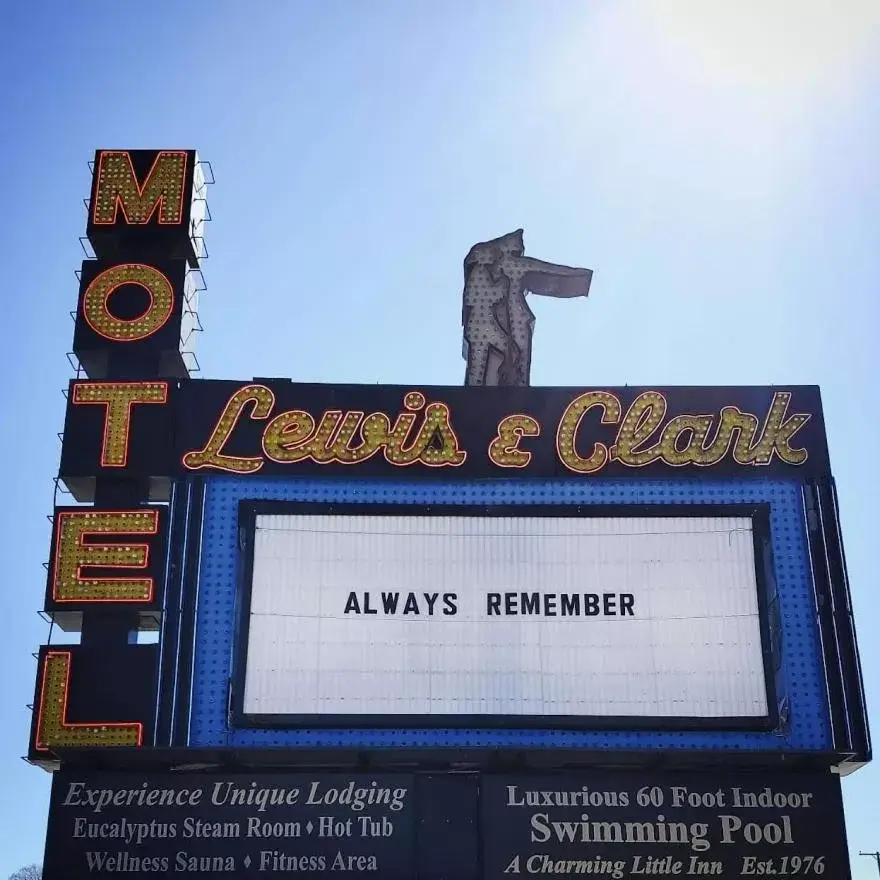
(551, 279)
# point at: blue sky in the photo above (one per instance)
(714, 163)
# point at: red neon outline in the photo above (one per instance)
(773, 452)
(736, 433)
(106, 404)
(261, 460)
(151, 581)
(612, 450)
(413, 410)
(401, 447)
(413, 406)
(412, 416)
(219, 454)
(713, 417)
(118, 205)
(716, 417)
(519, 433)
(39, 745)
(577, 426)
(333, 439)
(458, 446)
(310, 436)
(127, 321)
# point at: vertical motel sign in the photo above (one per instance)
(135, 315)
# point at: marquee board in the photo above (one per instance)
(279, 428)
(761, 560)
(544, 615)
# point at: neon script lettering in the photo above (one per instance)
(422, 433)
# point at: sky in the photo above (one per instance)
(715, 164)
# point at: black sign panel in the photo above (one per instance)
(274, 427)
(193, 825)
(106, 557)
(129, 314)
(622, 825)
(440, 826)
(118, 430)
(142, 203)
(89, 696)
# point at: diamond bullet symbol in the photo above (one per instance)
(309, 827)
(247, 861)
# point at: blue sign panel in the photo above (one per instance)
(802, 717)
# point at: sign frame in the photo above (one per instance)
(759, 513)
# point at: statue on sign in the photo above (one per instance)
(498, 323)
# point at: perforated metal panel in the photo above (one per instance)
(801, 680)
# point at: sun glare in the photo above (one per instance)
(772, 48)
(717, 84)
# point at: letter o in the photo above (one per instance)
(773, 833)
(97, 295)
(753, 832)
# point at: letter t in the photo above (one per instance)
(117, 398)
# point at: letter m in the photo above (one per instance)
(118, 187)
